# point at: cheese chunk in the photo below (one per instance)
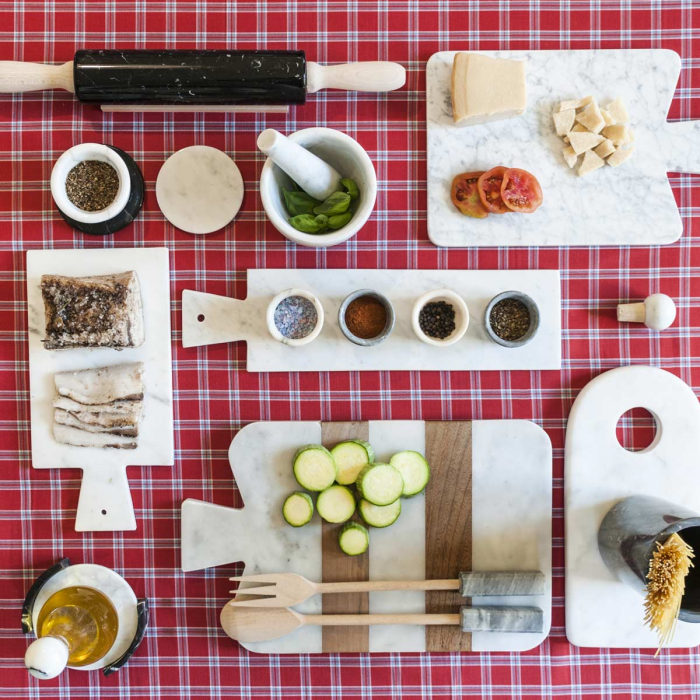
(486, 89)
(570, 156)
(579, 127)
(618, 111)
(575, 104)
(604, 149)
(590, 163)
(591, 118)
(584, 141)
(609, 120)
(617, 133)
(620, 156)
(563, 121)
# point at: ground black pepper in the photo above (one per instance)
(437, 319)
(92, 185)
(510, 319)
(365, 317)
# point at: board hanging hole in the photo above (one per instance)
(637, 430)
(200, 318)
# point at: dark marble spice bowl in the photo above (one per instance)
(534, 319)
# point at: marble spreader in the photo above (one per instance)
(632, 204)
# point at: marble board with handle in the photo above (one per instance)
(488, 506)
(632, 204)
(105, 502)
(209, 318)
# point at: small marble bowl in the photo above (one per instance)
(461, 316)
(534, 319)
(71, 158)
(348, 158)
(270, 317)
(388, 326)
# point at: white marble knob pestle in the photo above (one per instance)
(312, 174)
(657, 312)
(46, 657)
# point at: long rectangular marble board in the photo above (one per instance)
(105, 500)
(488, 507)
(209, 319)
(599, 209)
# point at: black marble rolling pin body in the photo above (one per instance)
(190, 77)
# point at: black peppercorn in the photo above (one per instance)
(437, 319)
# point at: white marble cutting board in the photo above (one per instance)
(105, 500)
(601, 611)
(226, 320)
(629, 205)
(511, 524)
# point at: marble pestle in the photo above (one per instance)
(312, 174)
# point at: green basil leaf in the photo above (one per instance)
(299, 202)
(337, 203)
(322, 219)
(339, 220)
(351, 187)
(306, 224)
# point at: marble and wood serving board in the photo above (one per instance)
(209, 319)
(105, 500)
(488, 506)
(629, 205)
(601, 611)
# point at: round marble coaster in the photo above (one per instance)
(199, 189)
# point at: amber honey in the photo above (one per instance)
(84, 618)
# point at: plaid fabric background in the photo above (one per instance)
(185, 653)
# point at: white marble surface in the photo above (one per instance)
(601, 611)
(114, 587)
(199, 189)
(105, 486)
(629, 205)
(511, 523)
(228, 320)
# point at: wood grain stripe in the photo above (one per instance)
(448, 524)
(337, 567)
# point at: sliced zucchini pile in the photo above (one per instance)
(347, 478)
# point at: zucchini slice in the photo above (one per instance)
(414, 469)
(351, 457)
(314, 467)
(298, 509)
(380, 484)
(353, 539)
(336, 504)
(380, 516)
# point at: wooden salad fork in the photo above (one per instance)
(287, 589)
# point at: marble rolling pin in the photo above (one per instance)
(194, 77)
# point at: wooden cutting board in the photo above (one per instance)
(488, 506)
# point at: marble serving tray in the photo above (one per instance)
(209, 319)
(105, 500)
(629, 205)
(502, 500)
(601, 611)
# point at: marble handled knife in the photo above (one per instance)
(166, 80)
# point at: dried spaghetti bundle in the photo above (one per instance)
(668, 569)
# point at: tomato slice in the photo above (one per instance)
(465, 195)
(490, 190)
(520, 191)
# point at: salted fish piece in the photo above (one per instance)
(106, 420)
(66, 418)
(102, 385)
(125, 407)
(68, 435)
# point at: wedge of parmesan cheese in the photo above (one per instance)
(570, 156)
(609, 120)
(486, 89)
(591, 118)
(617, 133)
(579, 127)
(564, 121)
(618, 111)
(590, 163)
(620, 156)
(575, 104)
(604, 149)
(583, 141)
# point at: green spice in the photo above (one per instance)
(92, 185)
(351, 187)
(510, 319)
(337, 203)
(309, 215)
(299, 202)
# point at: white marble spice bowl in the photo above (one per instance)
(345, 155)
(272, 326)
(461, 316)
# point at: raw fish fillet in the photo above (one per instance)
(69, 435)
(123, 407)
(66, 418)
(103, 385)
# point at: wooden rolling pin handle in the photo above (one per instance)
(383, 619)
(364, 586)
(632, 313)
(365, 76)
(16, 76)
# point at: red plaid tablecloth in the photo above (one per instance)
(185, 653)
